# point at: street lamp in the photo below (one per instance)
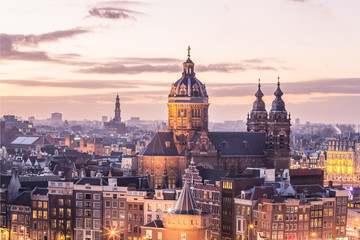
(251, 226)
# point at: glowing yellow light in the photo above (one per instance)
(251, 226)
(112, 232)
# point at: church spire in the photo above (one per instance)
(117, 117)
(259, 104)
(256, 122)
(278, 104)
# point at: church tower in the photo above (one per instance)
(187, 106)
(117, 117)
(257, 119)
(278, 133)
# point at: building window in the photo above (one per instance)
(97, 223)
(158, 207)
(96, 196)
(87, 223)
(79, 223)
(149, 234)
(88, 196)
(183, 236)
(87, 213)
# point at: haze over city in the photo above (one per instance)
(74, 56)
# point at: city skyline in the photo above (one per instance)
(86, 52)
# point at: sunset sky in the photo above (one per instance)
(74, 56)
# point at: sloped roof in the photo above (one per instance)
(212, 175)
(186, 203)
(91, 181)
(305, 172)
(94, 140)
(24, 199)
(155, 224)
(40, 191)
(157, 146)
(5, 180)
(239, 143)
(25, 140)
(309, 189)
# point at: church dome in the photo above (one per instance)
(188, 86)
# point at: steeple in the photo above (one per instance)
(278, 104)
(259, 104)
(117, 117)
(256, 121)
(186, 203)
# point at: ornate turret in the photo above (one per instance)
(278, 132)
(278, 105)
(188, 106)
(256, 121)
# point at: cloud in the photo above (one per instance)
(232, 67)
(114, 10)
(299, 1)
(10, 44)
(325, 86)
(136, 66)
(84, 84)
(111, 13)
(119, 68)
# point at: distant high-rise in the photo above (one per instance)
(56, 117)
(31, 119)
(104, 118)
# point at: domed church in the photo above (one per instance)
(265, 144)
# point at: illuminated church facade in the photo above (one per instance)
(265, 144)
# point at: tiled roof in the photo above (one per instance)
(238, 143)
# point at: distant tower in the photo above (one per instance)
(117, 117)
(256, 122)
(278, 133)
(188, 106)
